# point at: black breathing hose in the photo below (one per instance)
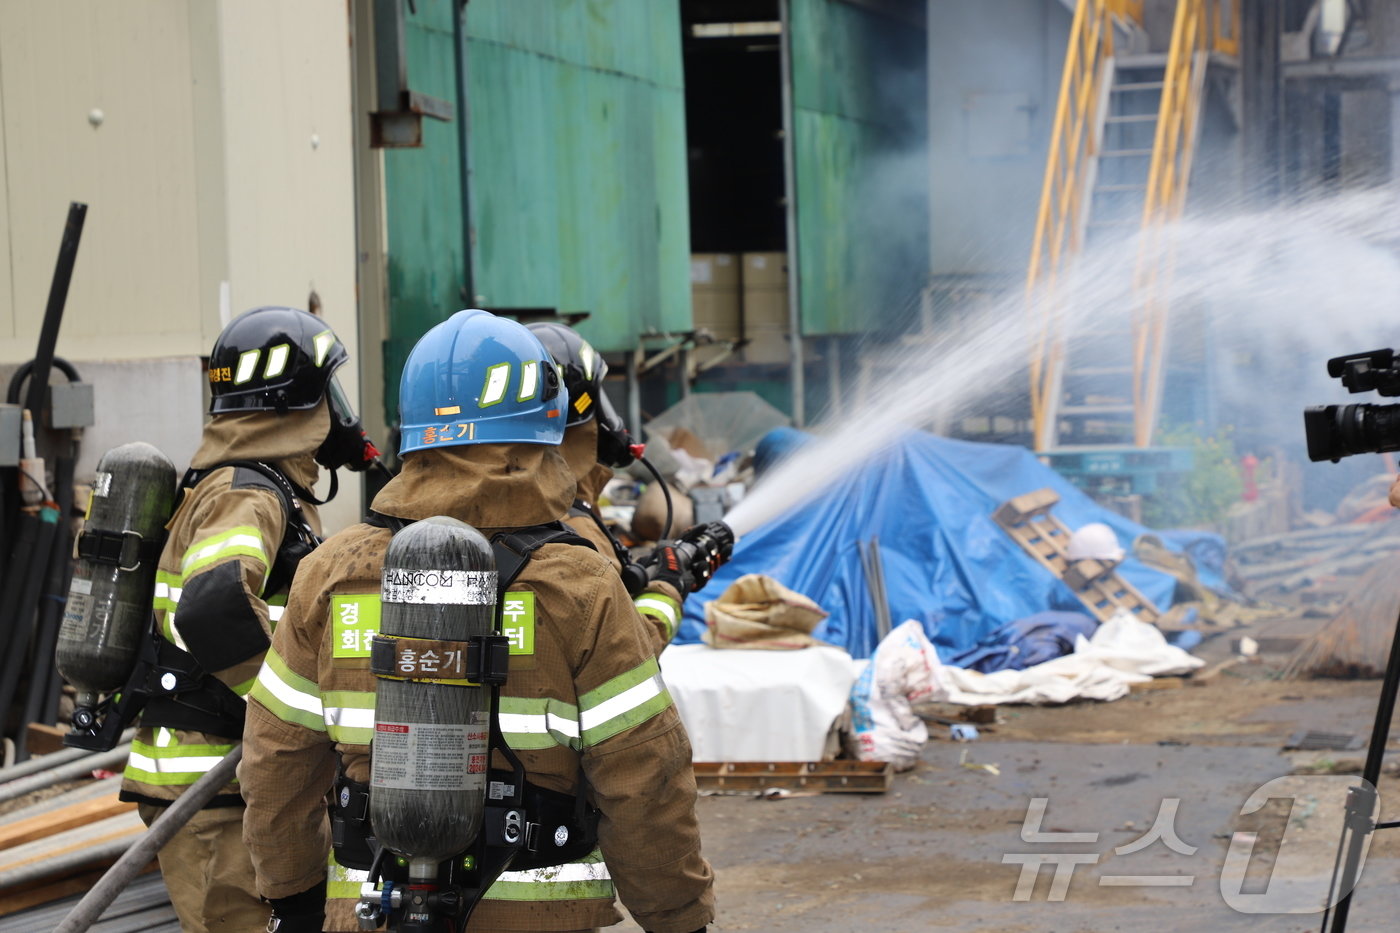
(665, 491)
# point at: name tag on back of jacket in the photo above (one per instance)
(518, 625)
(355, 622)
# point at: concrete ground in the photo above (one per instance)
(945, 848)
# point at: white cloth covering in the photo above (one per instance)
(1122, 652)
(758, 705)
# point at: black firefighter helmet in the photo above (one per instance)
(584, 370)
(273, 359)
(284, 359)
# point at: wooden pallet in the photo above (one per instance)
(1029, 521)
(827, 777)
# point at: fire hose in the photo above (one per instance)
(90, 908)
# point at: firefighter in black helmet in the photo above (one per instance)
(595, 443)
(247, 515)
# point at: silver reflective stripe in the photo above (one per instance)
(252, 542)
(275, 685)
(661, 607)
(274, 613)
(573, 871)
(349, 717)
(538, 724)
(166, 591)
(623, 703)
(175, 764)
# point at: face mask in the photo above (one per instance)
(615, 446)
(347, 444)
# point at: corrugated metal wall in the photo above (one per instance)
(578, 158)
(860, 155)
(423, 201)
(577, 150)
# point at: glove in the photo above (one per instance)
(665, 564)
(300, 913)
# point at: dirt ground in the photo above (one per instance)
(950, 847)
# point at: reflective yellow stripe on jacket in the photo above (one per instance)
(662, 608)
(167, 763)
(586, 878)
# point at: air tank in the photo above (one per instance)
(429, 755)
(108, 611)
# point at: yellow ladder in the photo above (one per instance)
(1200, 27)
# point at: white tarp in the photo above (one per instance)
(758, 705)
(1122, 652)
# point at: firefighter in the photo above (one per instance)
(584, 706)
(222, 580)
(596, 443)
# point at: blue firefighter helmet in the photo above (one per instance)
(480, 379)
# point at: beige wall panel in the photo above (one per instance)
(135, 288)
(288, 164)
(6, 290)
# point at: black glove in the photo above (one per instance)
(666, 565)
(300, 913)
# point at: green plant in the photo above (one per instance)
(1205, 494)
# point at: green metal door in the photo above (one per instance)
(579, 192)
(860, 162)
(576, 147)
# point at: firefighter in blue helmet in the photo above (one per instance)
(482, 410)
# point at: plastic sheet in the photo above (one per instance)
(947, 564)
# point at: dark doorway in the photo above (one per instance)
(734, 124)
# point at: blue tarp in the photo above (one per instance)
(929, 500)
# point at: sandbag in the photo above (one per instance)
(757, 611)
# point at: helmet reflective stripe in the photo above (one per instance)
(277, 360)
(529, 380)
(322, 343)
(247, 365)
(497, 378)
(585, 879)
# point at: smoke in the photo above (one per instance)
(1271, 295)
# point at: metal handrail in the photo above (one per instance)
(1059, 230)
(1196, 31)
(1200, 28)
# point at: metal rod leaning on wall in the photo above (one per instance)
(90, 908)
(53, 313)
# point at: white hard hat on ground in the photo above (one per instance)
(1094, 541)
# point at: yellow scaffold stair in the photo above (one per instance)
(1120, 157)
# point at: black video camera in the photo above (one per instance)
(1337, 431)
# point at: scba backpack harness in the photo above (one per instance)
(560, 827)
(168, 686)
